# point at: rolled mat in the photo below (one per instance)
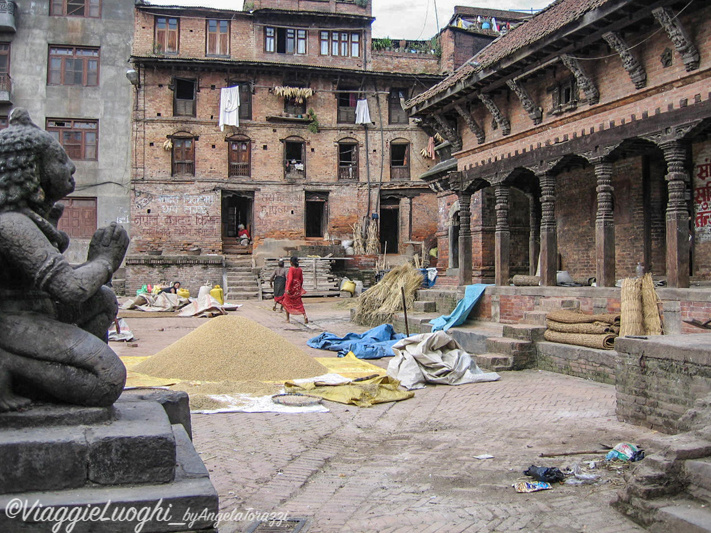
(604, 341)
(631, 307)
(526, 281)
(576, 317)
(581, 327)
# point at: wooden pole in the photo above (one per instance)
(404, 310)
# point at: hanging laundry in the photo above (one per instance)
(362, 112)
(431, 148)
(494, 25)
(229, 107)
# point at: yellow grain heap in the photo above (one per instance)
(232, 348)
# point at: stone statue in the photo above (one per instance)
(53, 318)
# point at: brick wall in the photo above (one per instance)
(191, 272)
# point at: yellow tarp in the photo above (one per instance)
(362, 393)
(350, 366)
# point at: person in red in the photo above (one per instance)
(291, 300)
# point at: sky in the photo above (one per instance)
(399, 19)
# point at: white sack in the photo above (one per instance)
(434, 358)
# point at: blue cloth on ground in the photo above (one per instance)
(472, 293)
(373, 344)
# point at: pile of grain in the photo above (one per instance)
(232, 348)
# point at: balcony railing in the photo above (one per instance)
(348, 172)
(400, 173)
(7, 16)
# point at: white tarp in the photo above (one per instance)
(434, 358)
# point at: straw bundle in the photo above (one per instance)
(576, 317)
(526, 281)
(358, 245)
(582, 327)
(631, 307)
(650, 307)
(601, 342)
(377, 305)
(372, 243)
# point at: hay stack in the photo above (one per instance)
(372, 245)
(232, 348)
(358, 244)
(378, 304)
(650, 307)
(631, 307)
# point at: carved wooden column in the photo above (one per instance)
(549, 238)
(533, 235)
(502, 236)
(604, 224)
(677, 214)
(465, 239)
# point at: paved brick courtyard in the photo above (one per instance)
(410, 466)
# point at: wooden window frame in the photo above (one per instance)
(61, 75)
(346, 114)
(162, 36)
(396, 114)
(180, 106)
(61, 8)
(186, 165)
(5, 73)
(233, 163)
(349, 171)
(217, 42)
(291, 173)
(77, 151)
(340, 43)
(270, 39)
(400, 172)
(292, 40)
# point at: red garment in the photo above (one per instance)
(294, 290)
(243, 233)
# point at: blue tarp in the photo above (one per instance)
(373, 344)
(472, 293)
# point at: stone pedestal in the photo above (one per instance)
(127, 460)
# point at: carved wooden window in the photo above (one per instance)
(79, 217)
(80, 138)
(348, 160)
(396, 114)
(166, 36)
(400, 161)
(4, 66)
(564, 96)
(294, 158)
(184, 96)
(73, 66)
(75, 8)
(218, 37)
(183, 163)
(240, 155)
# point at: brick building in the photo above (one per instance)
(581, 138)
(297, 169)
(65, 62)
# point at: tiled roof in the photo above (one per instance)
(501, 14)
(545, 22)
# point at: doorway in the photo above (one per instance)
(236, 210)
(315, 213)
(390, 225)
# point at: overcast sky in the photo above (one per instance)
(401, 19)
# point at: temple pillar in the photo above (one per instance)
(502, 236)
(549, 238)
(465, 239)
(604, 225)
(677, 214)
(534, 247)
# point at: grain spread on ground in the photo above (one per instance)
(232, 348)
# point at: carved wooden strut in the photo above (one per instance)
(534, 112)
(677, 34)
(471, 123)
(592, 95)
(634, 68)
(499, 117)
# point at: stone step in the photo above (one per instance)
(509, 346)
(472, 335)
(524, 332)
(537, 318)
(496, 362)
(686, 517)
(699, 472)
(137, 446)
(424, 306)
(189, 491)
(241, 295)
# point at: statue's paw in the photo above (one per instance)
(12, 402)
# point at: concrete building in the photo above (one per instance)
(65, 61)
(295, 167)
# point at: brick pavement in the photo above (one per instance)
(409, 466)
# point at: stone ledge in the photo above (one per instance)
(694, 349)
(169, 260)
